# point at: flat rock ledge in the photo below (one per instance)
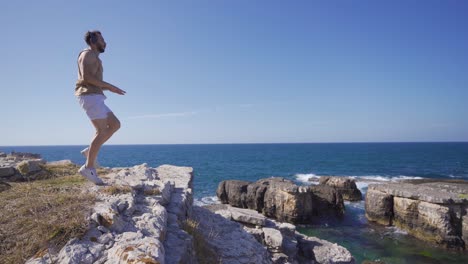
(436, 211)
(282, 199)
(282, 243)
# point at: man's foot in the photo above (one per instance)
(90, 174)
(85, 152)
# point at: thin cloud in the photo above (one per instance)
(191, 113)
(181, 114)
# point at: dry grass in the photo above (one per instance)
(112, 190)
(204, 253)
(43, 215)
(152, 191)
(53, 171)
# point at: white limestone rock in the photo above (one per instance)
(322, 251)
(228, 240)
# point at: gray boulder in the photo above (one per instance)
(322, 251)
(6, 172)
(28, 167)
(281, 199)
(226, 241)
(285, 244)
(346, 186)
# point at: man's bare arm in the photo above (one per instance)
(89, 65)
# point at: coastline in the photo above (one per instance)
(289, 161)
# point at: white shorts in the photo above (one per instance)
(93, 105)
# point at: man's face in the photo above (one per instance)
(101, 44)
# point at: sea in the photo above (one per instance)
(304, 163)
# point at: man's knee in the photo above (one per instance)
(114, 126)
(113, 122)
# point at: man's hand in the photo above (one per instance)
(116, 90)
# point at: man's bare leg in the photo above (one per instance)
(105, 128)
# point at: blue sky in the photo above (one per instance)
(240, 71)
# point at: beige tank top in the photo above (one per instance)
(83, 88)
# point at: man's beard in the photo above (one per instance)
(101, 49)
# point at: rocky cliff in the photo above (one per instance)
(434, 211)
(146, 215)
(138, 222)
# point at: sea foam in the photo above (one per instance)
(206, 200)
(362, 182)
(304, 178)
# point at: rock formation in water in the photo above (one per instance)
(433, 211)
(281, 199)
(346, 186)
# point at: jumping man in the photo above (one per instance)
(89, 91)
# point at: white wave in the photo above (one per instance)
(403, 177)
(305, 178)
(381, 178)
(458, 176)
(395, 230)
(362, 186)
(373, 178)
(206, 200)
(357, 204)
(362, 182)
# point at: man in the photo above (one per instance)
(89, 90)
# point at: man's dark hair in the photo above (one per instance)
(90, 34)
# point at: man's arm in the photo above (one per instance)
(89, 65)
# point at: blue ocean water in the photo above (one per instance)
(213, 163)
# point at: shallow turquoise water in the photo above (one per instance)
(368, 241)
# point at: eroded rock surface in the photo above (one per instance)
(434, 211)
(136, 226)
(283, 243)
(346, 186)
(281, 199)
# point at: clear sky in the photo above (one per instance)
(239, 71)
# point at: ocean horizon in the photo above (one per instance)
(245, 143)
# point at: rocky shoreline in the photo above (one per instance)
(283, 243)
(432, 211)
(150, 218)
(154, 221)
